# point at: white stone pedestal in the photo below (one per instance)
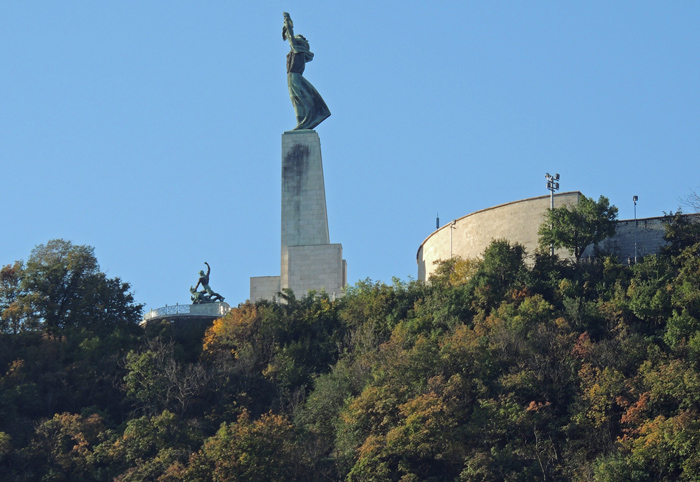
(304, 217)
(308, 260)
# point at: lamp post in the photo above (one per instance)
(552, 185)
(634, 200)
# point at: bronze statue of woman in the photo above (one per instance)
(309, 106)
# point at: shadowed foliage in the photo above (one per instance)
(497, 369)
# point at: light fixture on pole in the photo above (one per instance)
(634, 200)
(552, 185)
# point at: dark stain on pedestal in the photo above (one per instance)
(295, 166)
(294, 169)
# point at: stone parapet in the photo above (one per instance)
(204, 310)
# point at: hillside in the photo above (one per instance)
(497, 369)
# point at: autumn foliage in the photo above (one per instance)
(516, 366)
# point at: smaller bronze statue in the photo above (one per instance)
(207, 295)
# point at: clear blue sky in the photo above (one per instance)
(152, 130)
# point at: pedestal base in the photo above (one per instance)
(314, 267)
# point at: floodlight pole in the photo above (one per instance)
(634, 200)
(552, 185)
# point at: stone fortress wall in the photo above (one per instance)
(518, 222)
(650, 238)
(468, 236)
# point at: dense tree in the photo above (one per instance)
(13, 316)
(63, 288)
(247, 450)
(454, 271)
(156, 381)
(578, 226)
(65, 328)
(682, 232)
(62, 449)
(501, 271)
(150, 448)
(494, 370)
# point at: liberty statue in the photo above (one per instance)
(309, 106)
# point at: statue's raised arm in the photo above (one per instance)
(309, 107)
(288, 29)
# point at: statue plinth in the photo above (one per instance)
(308, 260)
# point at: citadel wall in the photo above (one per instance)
(519, 222)
(468, 236)
(649, 236)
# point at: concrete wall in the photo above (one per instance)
(648, 233)
(650, 239)
(470, 235)
(264, 287)
(313, 267)
(519, 222)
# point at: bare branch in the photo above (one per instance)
(692, 201)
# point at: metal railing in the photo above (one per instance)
(207, 309)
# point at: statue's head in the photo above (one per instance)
(201, 273)
(302, 40)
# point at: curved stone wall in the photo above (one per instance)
(519, 221)
(470, 235)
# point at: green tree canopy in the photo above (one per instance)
(494, 370)
(62, 286)
(577, 226)
(682, 231)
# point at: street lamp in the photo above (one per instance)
(634, 200)
(552, 185)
